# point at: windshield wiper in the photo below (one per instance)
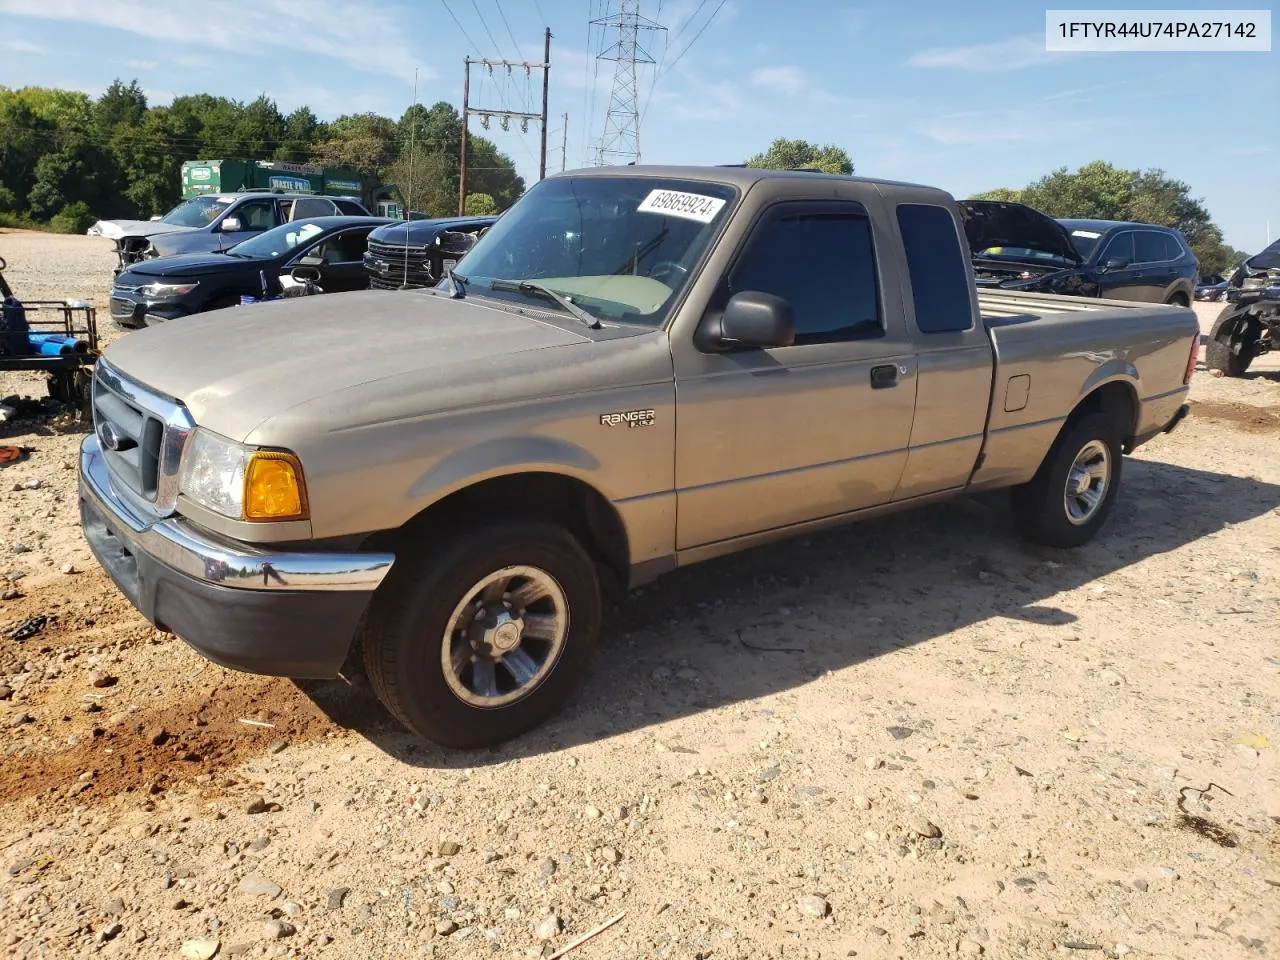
(531, 286)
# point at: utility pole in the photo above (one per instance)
(620, 140)
(546, 82)
(564, 142)
(504, 116)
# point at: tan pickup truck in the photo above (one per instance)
(635, 369)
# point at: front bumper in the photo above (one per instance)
(132, 311)
(283, 614)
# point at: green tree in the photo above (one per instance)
(428, 180)
(364, 142)
(480, 204)
(784, 154)
(121, 106)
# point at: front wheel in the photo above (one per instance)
(486, 636)
(1066, 503)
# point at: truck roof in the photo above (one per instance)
(738, 176)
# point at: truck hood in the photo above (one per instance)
(115, 229)
(996, 223)
(1268, 259)
(238, 367)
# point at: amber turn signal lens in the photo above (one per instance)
(273, 487)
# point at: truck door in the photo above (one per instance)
(954, 354)
(768, 438)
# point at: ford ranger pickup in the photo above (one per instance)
(635, 369)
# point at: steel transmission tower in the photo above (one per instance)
(620, 140)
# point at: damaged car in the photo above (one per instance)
(1249, 325)
(1016, 247)
(214, 223)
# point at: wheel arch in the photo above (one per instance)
(1117, 398)
(544, 492)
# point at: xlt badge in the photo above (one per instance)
(632, 418)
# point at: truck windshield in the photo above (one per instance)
(620, 248)
(199, 212)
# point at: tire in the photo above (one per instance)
(1179, 300)
(404, 633)
(1231, 345)
(1042, 510)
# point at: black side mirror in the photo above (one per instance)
(750, 319)
(1114, 263)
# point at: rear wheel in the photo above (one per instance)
(1066, 503)
(1232, 344)
(485, 636)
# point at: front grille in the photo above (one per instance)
(142, 436)
(397, 251)
(121, 308)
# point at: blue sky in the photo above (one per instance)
(961, 96)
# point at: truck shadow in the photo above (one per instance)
(775, 618)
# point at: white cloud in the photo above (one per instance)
(325, 30)
(139, 64)
(1015, 53)
(21, 46)
(780, 79)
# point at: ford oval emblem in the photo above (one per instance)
(111, 438)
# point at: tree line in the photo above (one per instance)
(67, 159)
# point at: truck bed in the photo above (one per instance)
(1001, 304)
(1050, 351)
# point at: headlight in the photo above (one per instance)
(166, 291)
(242, 483)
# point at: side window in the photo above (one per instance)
(1149, 247)
(939, 277)
(305, 207)
(256, 214)
(1172, 248)
(823, 264)
(346, 247)
(1120, 247)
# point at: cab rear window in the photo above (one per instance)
(936, 265)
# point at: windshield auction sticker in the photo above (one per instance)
(690, 206)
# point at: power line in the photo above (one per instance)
(688, 20)
(541, 16)
(519, 52)
(475, 47)
(484, 23)
(692, 42)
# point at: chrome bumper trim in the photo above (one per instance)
(178, 545)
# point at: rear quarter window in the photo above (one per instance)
(937, 268)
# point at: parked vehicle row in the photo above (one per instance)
(343, 252)
(157, 290)
(635, 369)
(216, 222)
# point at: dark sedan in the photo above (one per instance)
(416, 253)
(170, 287)
(1016, 247)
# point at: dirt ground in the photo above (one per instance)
(913, 738)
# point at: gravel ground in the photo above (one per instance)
(952, 744)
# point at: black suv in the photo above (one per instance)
(216, 222)
(1016, 247)
(416, 253)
